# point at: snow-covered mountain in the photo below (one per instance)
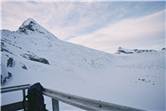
(32, 54)
(33, 44)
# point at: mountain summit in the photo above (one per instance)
(30, 25)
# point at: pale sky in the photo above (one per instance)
(100, 25)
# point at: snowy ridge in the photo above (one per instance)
(32, 54)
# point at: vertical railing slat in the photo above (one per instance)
(55, 105)
(24, 99)
(23, 93)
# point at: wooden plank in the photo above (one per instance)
(12, 106)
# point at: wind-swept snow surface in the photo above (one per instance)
(32, 54)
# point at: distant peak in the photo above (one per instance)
(28, 22)
(30, 25)
(131, 51)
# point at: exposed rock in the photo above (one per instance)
(10, 62)
(35, 58)
(24, 67)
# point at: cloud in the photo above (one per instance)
(100, 25)
(70, 19)
(61, 18)
(144, 32)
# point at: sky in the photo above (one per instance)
(100, 25)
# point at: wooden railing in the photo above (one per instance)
(17, 105)
(77, 101)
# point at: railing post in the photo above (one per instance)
(24, 100)
(55, 105)
(23, 93)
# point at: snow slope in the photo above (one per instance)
(135, 80)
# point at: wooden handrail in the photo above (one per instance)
(14, 88)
